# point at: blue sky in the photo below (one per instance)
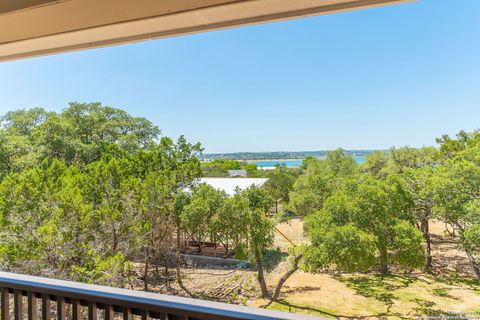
(390, 76)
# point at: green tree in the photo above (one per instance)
(412, 158)
(320, 179)
(256, 228)
(369, 212)
(79, 134)
(457, 197)
(280, 183)
(376, 164)
(450, 147)
(205, 203)
(418, 184)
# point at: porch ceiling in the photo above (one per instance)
(39, 27)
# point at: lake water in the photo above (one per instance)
(289, 163)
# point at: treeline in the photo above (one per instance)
(219, 168)
(86, 192)
(78, 135)
(376, 215)
(278, 155)
(104, 190)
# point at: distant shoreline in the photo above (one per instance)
(268, 160)
(280, 155)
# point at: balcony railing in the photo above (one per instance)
(37, 297)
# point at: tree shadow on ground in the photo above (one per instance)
(288, 290)
(292, 307)
(454, 280)
(444, 293)
(382, 289)
(377, 287)
(426, 310)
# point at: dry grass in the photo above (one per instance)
(223, 284)
(352, 296)
(293, 231)
(451, 287)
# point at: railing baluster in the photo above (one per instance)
(92, 310)
(5, 304)
(17, 304)
(32, 306)
(76, 310)
(109, 312)
(46, 311)
(145, 315)
(71, 298)
(127, 313)
(61, 312)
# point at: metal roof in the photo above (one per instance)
(230, 185)
(237, 173)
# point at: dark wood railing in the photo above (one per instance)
(32, 298)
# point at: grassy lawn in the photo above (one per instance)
(374, 296)
(371, 296)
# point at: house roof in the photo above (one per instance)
(39, 27)
(237, 173)
(229, 185)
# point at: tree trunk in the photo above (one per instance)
(115, 240)
(284, 278)
(426, 235)
(474, 265)
(177, 259)
(261, 276)
(450, 233)
(165, 262)
(383, 261)
(177, 263)
(145, 275)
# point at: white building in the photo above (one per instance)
(229, 186)
(237, 173)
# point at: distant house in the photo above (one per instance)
(230, 186)
(237, 173)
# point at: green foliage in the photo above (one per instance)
(456, 186)
(450, 147)
(219, 167)
(197, 216)
(407, 250)
(280, 183)
(471, 239)
(320, 180)
(258, 228)
(372, 213)
(412, 158)
(85, 192)
(344, 247)
(85, 208)
(376, 164)
(79, 134)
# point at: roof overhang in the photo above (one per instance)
(38, 27)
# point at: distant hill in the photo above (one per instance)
(279, 155)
